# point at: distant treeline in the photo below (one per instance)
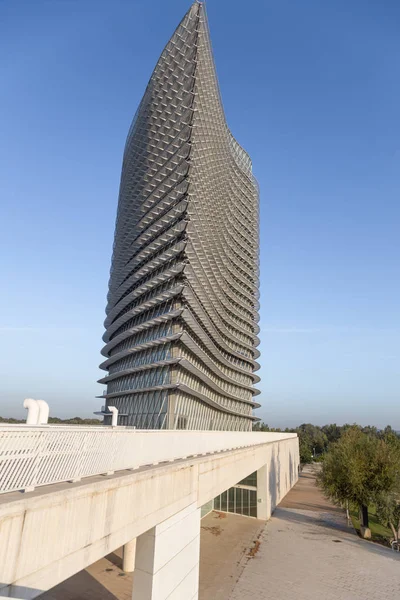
(315, 440)
(57, 421)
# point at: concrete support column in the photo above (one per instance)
(128, 556)
(171, 407)
(263, 496)
(167, 559)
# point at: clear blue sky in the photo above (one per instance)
(311, 89)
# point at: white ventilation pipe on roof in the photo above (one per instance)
(33, 411)
(114, 418)
(44, 410)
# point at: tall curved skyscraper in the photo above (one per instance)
(182, 313)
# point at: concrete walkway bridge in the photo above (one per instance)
(70, 495)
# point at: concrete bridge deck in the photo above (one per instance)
(226, 539)
(307, 544)
(48, 535)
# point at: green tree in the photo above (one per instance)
(358, 469)
(261, 426)
(314, 436)
(332, 432)
(388, 513)
(305, 448)
(390, 436)
(370, 430)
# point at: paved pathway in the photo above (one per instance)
(226, 539)
(308, 552)
(103, 580)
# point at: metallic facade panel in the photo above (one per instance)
(182, 313)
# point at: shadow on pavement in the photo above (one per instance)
(331, 524)
(81, 585)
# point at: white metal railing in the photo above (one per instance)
(32, 456)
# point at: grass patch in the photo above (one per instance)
(379, 533)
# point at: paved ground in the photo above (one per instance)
(226, 539)
(307, 496)
(104, 580)
(308, 552)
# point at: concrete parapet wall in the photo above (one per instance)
(33, 456)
